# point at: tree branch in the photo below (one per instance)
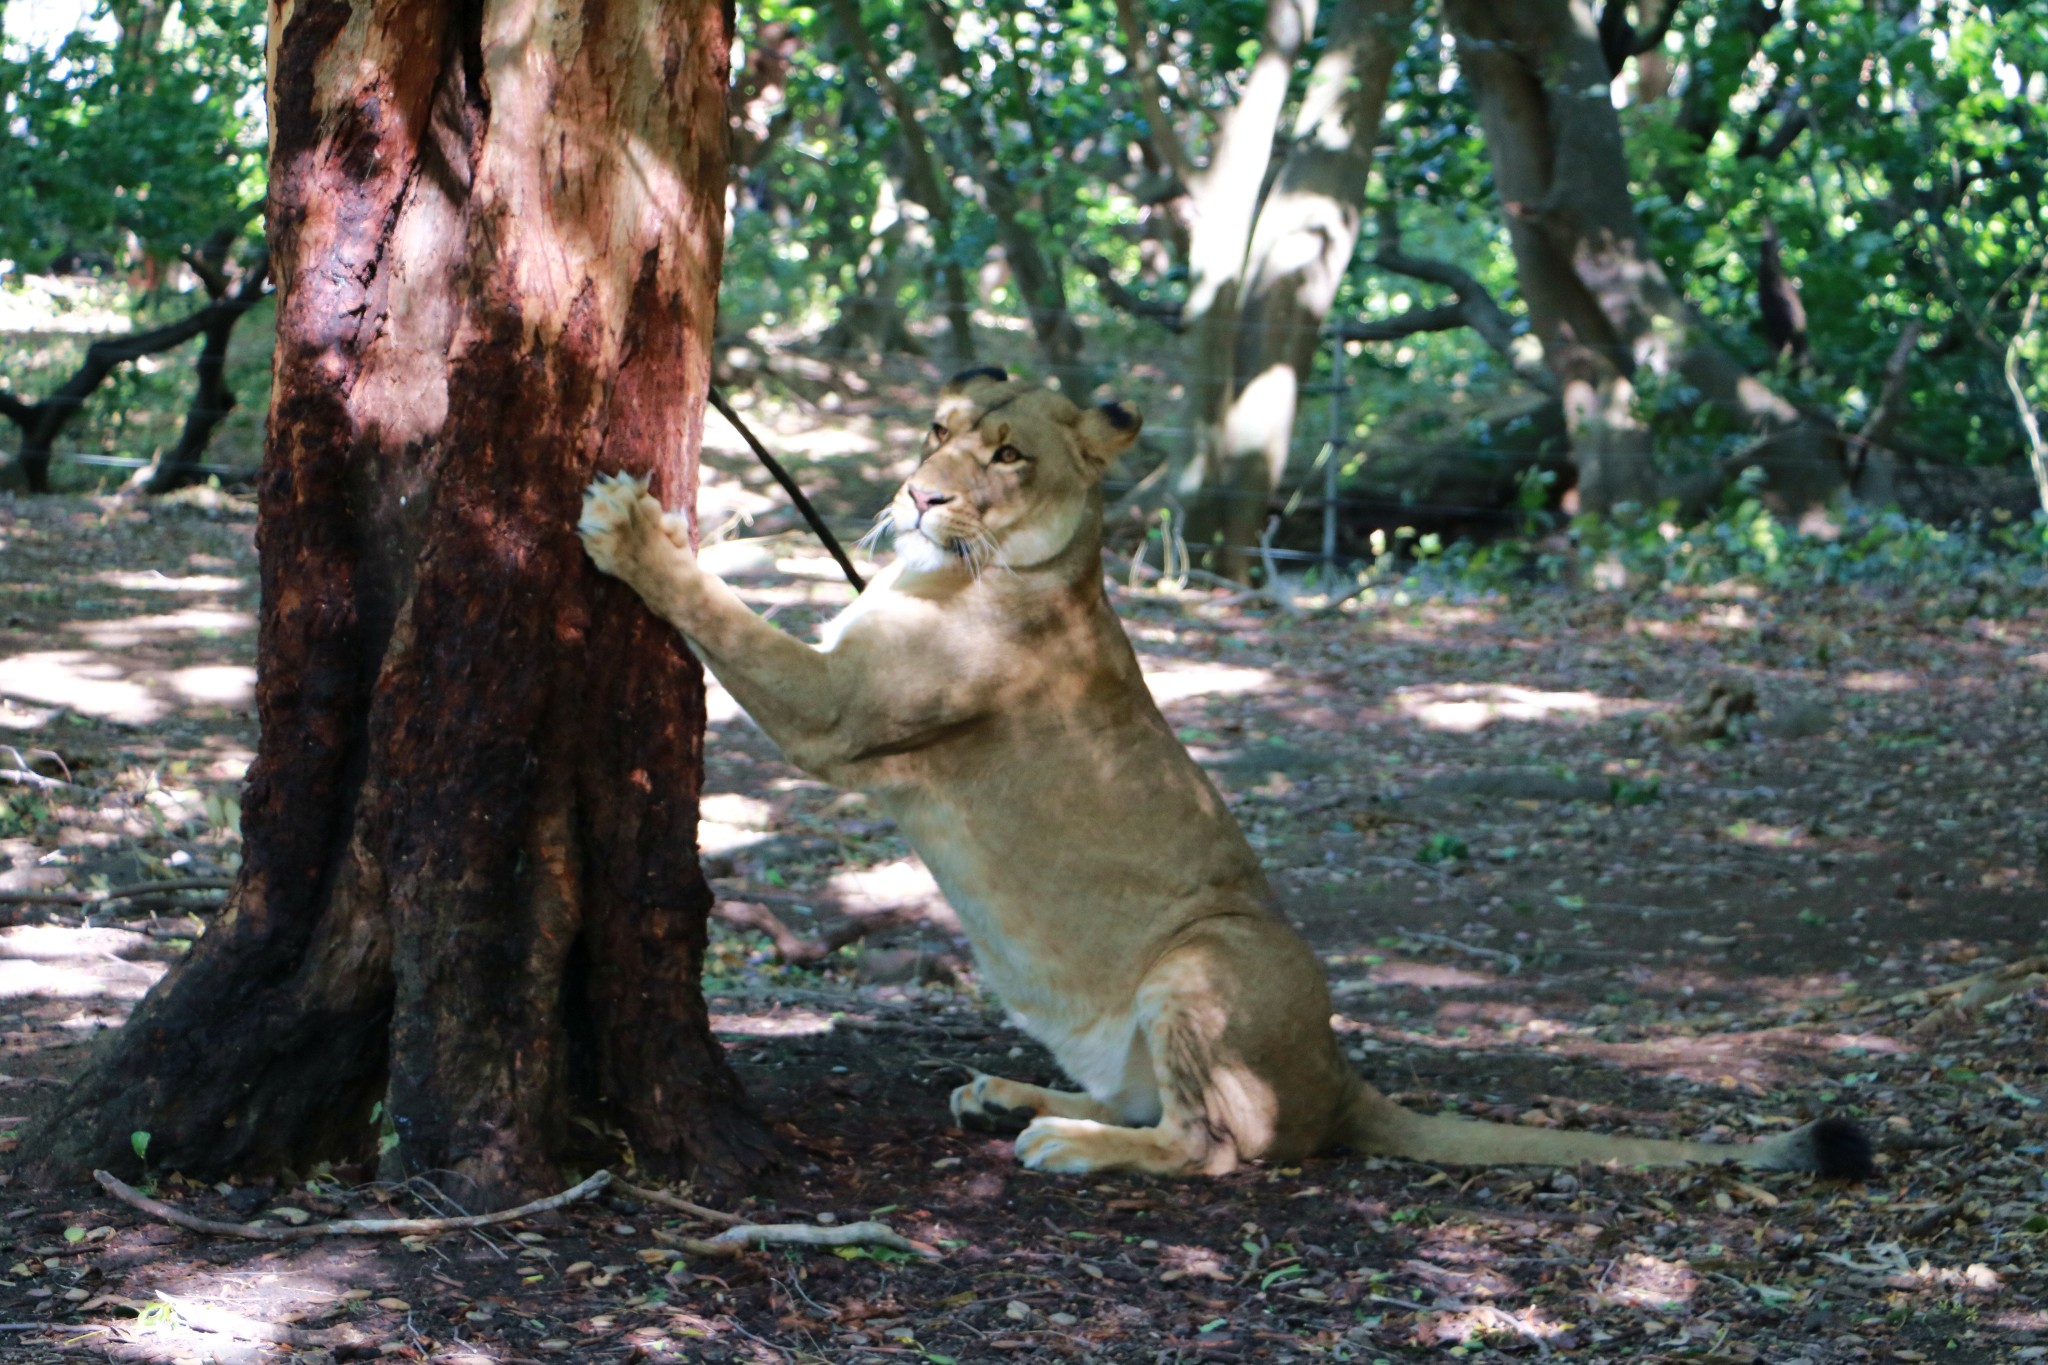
(1474, 306)
(1125, 300)
(1621, 40)
(1138, 52)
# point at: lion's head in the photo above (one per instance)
(1009, 474)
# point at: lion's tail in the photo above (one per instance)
(1376, 1126)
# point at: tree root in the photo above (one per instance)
(343, 1227)
(1955, 999)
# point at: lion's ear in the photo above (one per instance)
(1109, 430)
(979, 374)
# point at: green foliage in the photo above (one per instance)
(1914, 193)
(122, 147)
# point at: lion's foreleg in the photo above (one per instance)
(996, 1104)
(788, 687)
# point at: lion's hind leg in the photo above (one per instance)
(1245, 1065)
(994, 1104)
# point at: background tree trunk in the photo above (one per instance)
(1302, 244)
(470, 887)
(1598, 300)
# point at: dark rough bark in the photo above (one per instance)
(470, 887)
(1608, 317)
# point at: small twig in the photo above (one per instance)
(677, 1202)
(1275, 587)
(22, 777)
(117, 893)
(1514, 962)
(744, 1236)
(344, 1227)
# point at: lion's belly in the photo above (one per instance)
(1083, 1015)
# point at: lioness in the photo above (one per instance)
(983, 693)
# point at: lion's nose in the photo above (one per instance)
(925, 502)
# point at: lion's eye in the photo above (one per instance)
(1006, 455)
(939, 433)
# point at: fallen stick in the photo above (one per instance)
(745, 1236)
(117, 893)
(740, 1234)
(677, 1202)
(343, 1227)
(37, 782)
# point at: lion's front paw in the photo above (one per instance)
(622, 524)
(980, 1106)
(1064, 1146)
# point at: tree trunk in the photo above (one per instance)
(922, 183)
(1264, 264)
(1608, 317)
(212, 399)
(1302, 244)
(470, 888)
(1040, 284)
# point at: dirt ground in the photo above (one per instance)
(1546, 890)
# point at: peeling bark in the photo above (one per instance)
(470, 889)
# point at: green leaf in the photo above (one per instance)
(139, 1140)
(74, 1234)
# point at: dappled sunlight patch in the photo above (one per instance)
(900, 883)
(1177, 680)
(1883, 680)
(793, 1023)
(1640, 1280)
(1483, 1322)
(215, 684)
(81, 681)
(222, 1314)
(153, 580)
(122, 632)
(110, 978)
(1465, 708)
(1435, 976)
(731, 808)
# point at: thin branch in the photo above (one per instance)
(344, 1227)
(23, 778)
(1444, 317)
(1122, 298)
(1475, 307)
(1159, 130)
(117, 893)
(1891, 399)
(2037, 451)
(676, 1202)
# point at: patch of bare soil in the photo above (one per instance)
(1552, 882)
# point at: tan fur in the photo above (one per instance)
(983, 693)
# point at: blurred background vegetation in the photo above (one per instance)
(1099, 192)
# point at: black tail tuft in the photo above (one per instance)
(1840, 1150)
(968, 376)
